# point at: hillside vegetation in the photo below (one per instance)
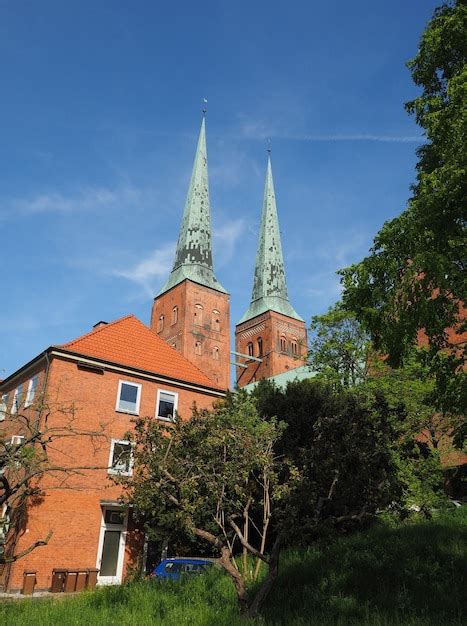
(409, 574)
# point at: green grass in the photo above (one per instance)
(410, 574)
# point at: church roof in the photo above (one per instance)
(193, 257)
(269, 285)
(127, 341)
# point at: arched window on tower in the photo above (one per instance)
(216, 320)
(283, 343)
(175, 315)
(197, 347)
(294, 346)
(260, 346)
(198, 316)
(215, 353)
(160, 324)
(250, 349)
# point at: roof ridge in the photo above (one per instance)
(96, 330)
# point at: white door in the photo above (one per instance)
(111, 550)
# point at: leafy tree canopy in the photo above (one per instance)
(339, 347)
(414, 278)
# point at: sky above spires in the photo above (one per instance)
(101, 112)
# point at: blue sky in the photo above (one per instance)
(100, 111)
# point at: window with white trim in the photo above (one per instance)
(198, 314)
(128, 397)
(166, 405)
(3, 406)
(17, 398)
(17, 440)
(31, 391)
(121, 457)
(160, 324)
(216, 321)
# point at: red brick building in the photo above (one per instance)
(110, 375)
(97, 384)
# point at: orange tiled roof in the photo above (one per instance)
(129, 342)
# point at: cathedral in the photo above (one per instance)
(191, 311)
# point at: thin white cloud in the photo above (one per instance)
(261, 131)
(152, 269)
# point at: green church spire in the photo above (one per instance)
(193, 257)
(269, 286)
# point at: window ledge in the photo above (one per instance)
(165, 419)
(126, 412)
(116, 472)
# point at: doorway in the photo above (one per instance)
(111, 549)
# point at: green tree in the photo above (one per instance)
(344, 446)
(339, 347)
(414, 278)
(204, 478)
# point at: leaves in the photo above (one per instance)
(414, 278)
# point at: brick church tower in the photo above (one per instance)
(271, 333)
(191, 312)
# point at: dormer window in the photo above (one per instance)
(160, 324)
(175, 315)
(198, 315)
(216, 321)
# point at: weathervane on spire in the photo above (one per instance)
(205, 109)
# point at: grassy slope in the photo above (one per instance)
(410, 574)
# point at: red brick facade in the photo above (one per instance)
(194, 320)
(73, 508)
(280, 342)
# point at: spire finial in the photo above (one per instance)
(269, 147)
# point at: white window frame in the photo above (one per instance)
(112, 470)
(14, 405)
(138, 397)
(28, 400)
(172, 393)
(4, 405)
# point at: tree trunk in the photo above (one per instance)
(237, 578)
(268, 582)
